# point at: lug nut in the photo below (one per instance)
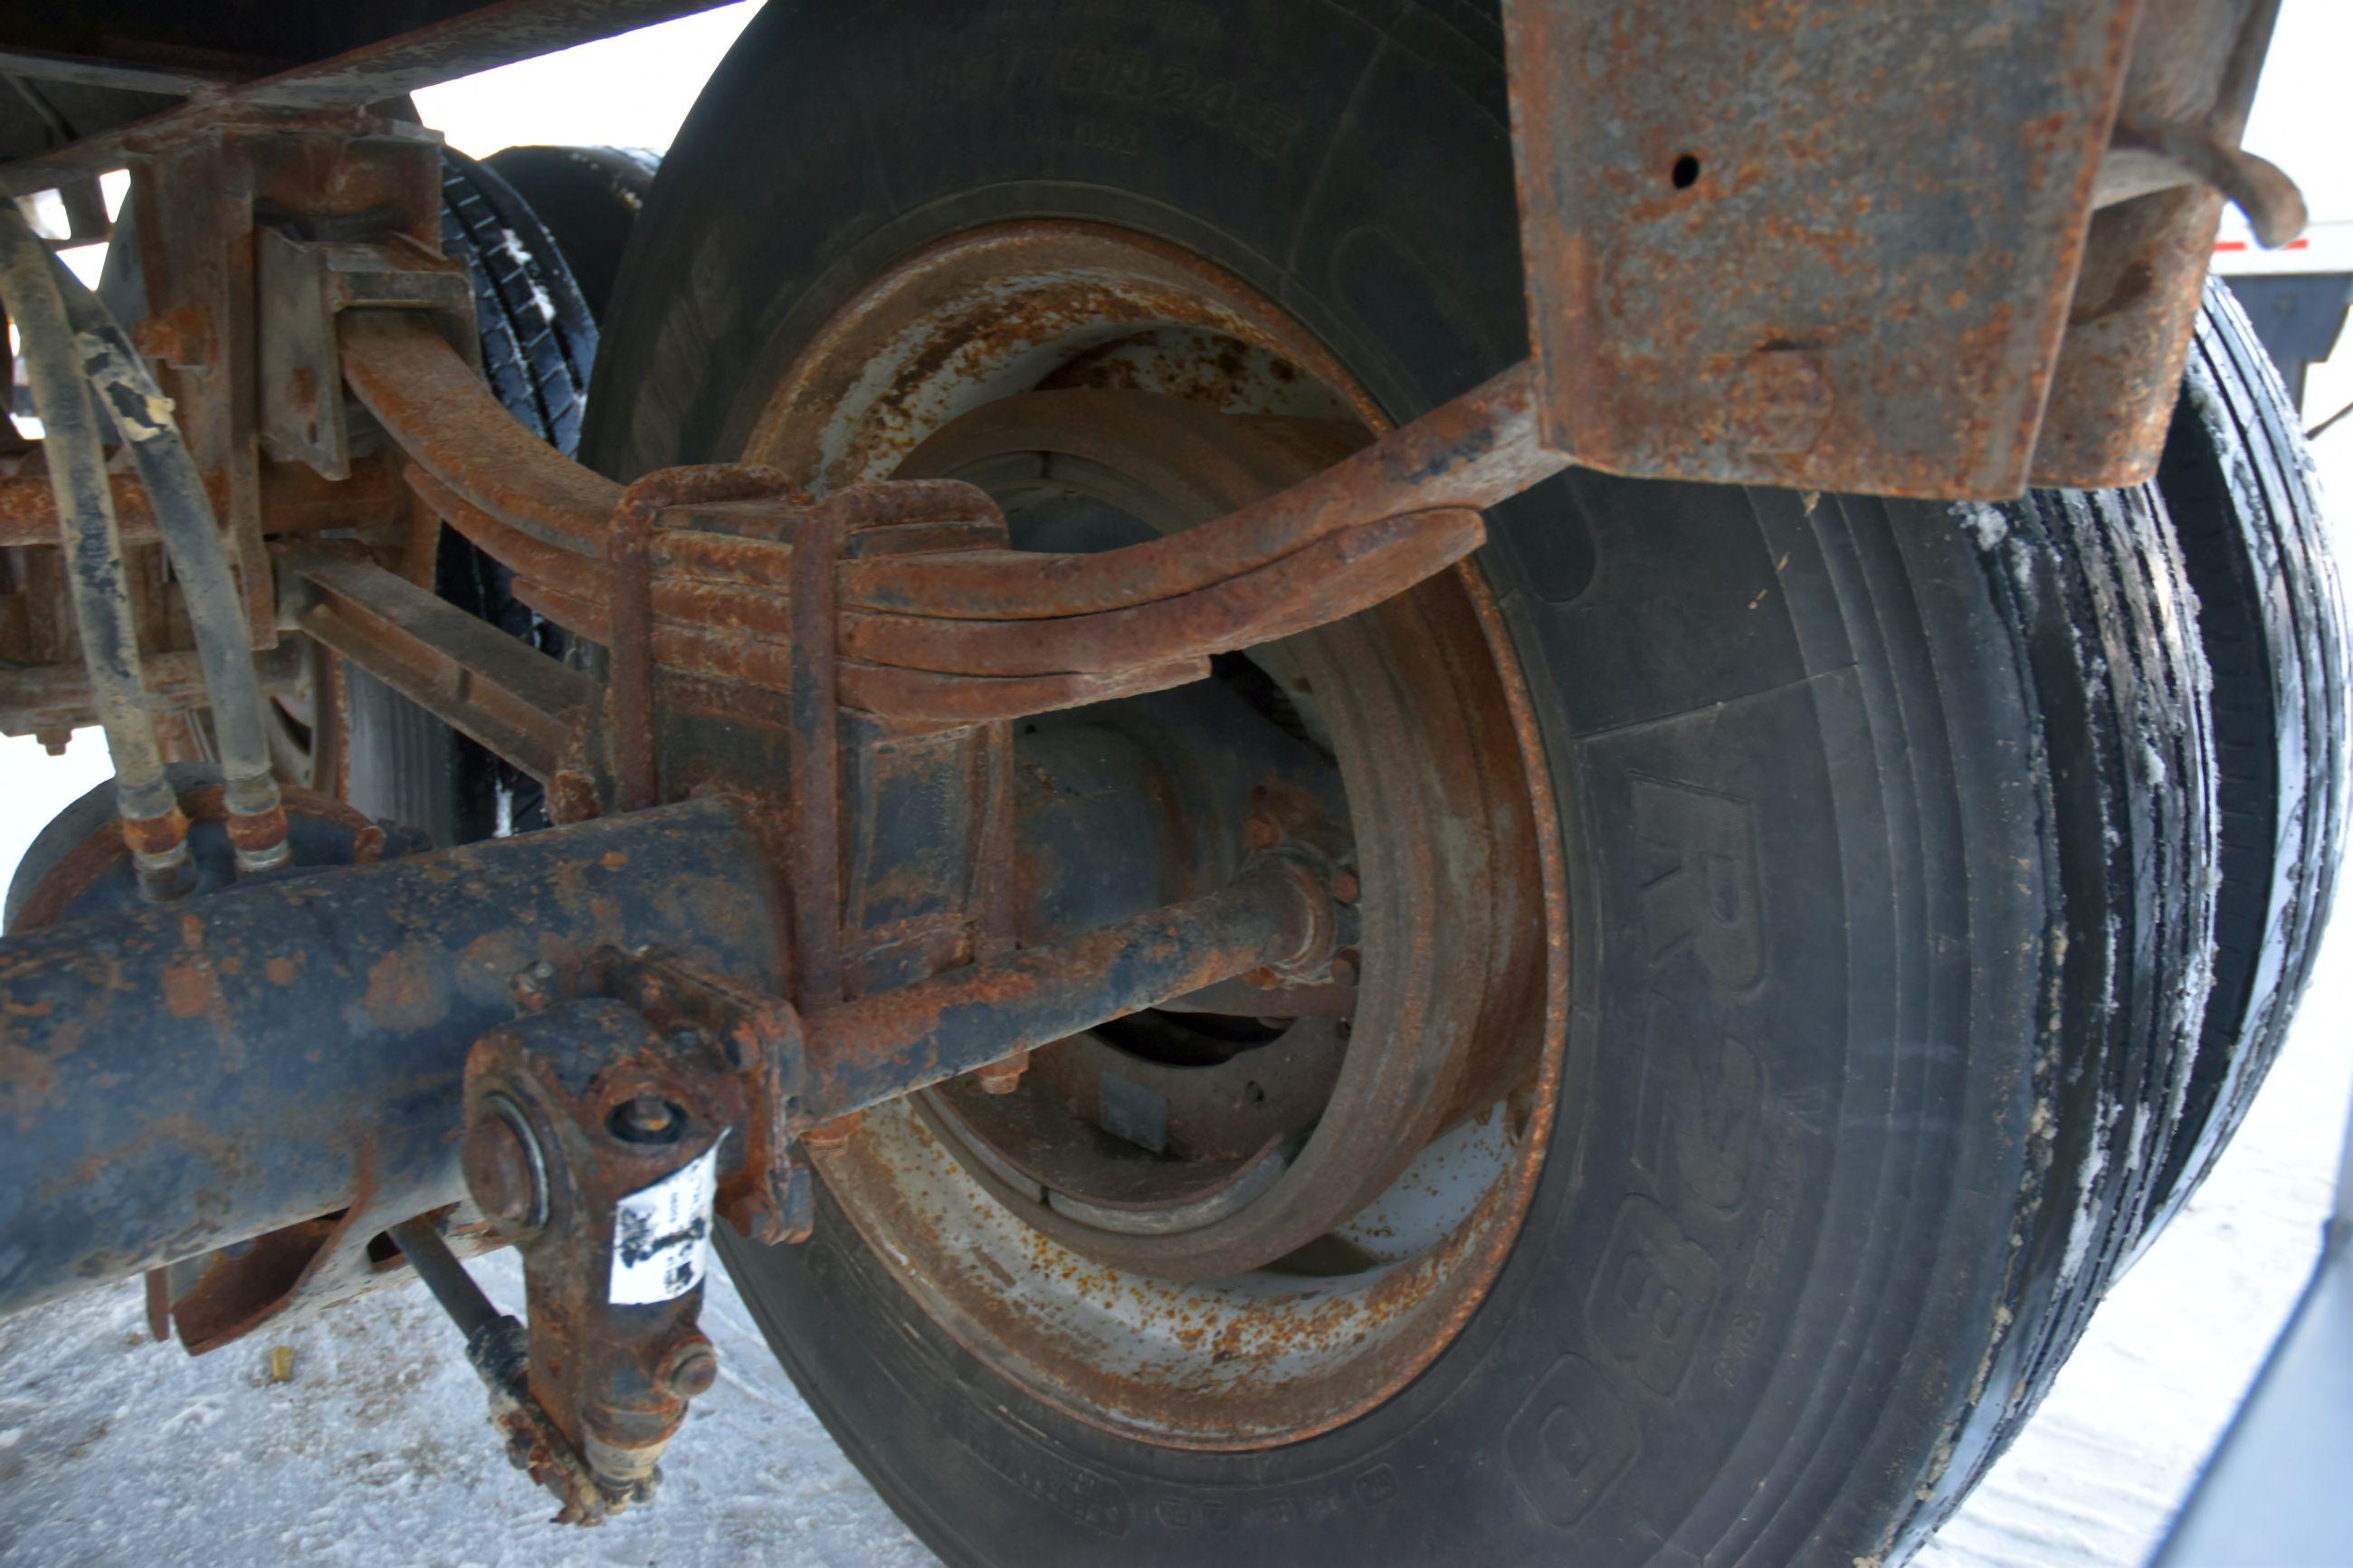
(1345, 968)
(689, 1369)
(1345, 889)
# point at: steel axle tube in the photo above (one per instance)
(879, 1047)
(178, 1079)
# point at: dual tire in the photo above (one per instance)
(1941, 878)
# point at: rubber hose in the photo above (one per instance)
(184, 516)
(95, 587)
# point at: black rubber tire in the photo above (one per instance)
(539, 337)
(2238, 479)
(539, 342)
(1845, 1157)
(589, 198)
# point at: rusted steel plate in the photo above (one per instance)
(630, 604)
(1335, 575)
(2194, 64)
(924, 584)
(293, 500)
(39, 697)
(1827, 244)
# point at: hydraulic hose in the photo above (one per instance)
(100, 597)
(184, 516)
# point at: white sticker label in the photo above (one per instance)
(661, 1235)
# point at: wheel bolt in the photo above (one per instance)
(1343, 887)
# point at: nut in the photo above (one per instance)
(643, 1119)
(1002, 1077)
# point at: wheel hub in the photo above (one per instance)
(1237, 1226)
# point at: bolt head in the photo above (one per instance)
(498, 1171)
(645, 1117)
(759, 1217)
(1344, 888)
(689, 1369)
(1002, 1078)
(833, 1135)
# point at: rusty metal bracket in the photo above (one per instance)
(765, 1190)
(2136, 297)
(605, 1128)
(499, 1351)
(1827, 244)
(303, 285)
(594, 1142)
(630, 595)
(1851, 245)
